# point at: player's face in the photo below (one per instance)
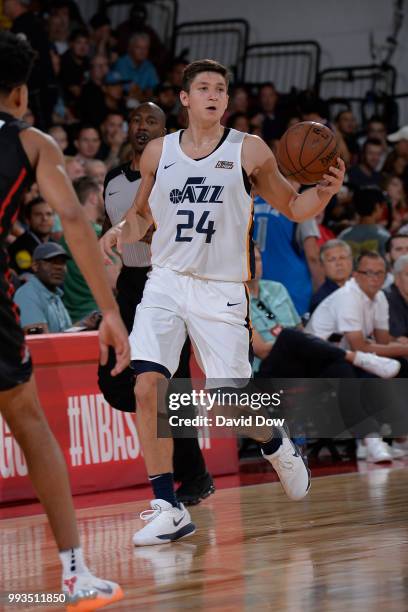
(337, 264)
(207, 99)
(145, 124)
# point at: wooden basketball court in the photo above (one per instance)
(344, 548)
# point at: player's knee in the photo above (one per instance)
(28, 421)
(146, 390)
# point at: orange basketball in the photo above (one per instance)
(305, 152)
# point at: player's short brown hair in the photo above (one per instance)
(205, 65)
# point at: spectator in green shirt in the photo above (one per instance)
(271, 309)
(77, 297)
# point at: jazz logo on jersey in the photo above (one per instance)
(195, 192)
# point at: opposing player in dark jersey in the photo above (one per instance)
(28, 155)
(146, 122)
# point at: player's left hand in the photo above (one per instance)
(331, 183)
(112, 332)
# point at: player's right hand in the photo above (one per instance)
(112, 332)
(108, 241)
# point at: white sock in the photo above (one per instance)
(72, 562)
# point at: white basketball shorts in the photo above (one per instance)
(214, 314)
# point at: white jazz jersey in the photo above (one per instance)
(203, 213)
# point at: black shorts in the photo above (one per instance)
(15, 361)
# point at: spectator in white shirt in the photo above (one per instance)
(357, 314)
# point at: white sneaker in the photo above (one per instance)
(377, 451)
(394, 451)
(165, 523)
(380, 366)
(86, 592)
(291, 468)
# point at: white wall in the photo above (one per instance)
(341, 27)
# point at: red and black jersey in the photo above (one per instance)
(16, 175)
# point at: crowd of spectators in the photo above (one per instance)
(87, 80)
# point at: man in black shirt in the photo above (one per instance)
(40, 219)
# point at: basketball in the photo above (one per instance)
(305, 152)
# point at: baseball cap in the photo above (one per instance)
(115, 78)
(48, 250)
(402, 134)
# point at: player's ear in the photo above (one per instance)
(19, 99)
(184, 98)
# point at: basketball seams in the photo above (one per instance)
(302, 147)
(296, 174)
(320, 153)
(288, 156)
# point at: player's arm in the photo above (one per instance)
(139, 218)
(56, 189)
(261, 166)
(107, 223)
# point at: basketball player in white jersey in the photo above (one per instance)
(146, 122)
(196, 190)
